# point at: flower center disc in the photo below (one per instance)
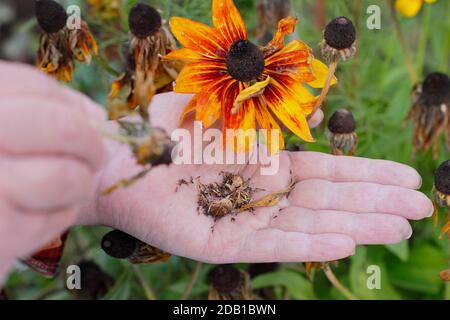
(144, 20)
(340, 33)
(245, 61)
(436, 89)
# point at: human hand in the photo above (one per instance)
(49, 154)
(337, 203)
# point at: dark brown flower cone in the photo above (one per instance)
(144, 20)
(95, 283)
(51, 16)
(229, 283)
(121, 245)
(343, 138)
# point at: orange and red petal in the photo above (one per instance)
(209, 101)
(190, 107)
(243, 119)
(289, 110)
(184, 54)
(266, 121)
(198, 37)
(294, 59)
(195, 76)
(227, 19)
(285, 26)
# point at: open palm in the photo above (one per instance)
(337, 203)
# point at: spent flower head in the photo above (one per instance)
(342, 135)
(429, 112)
(60, 46)
(229, 283)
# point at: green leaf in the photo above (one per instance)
(297, 286)
(359, 277)
(421, 271)
(400, 250)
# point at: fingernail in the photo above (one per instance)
(410, 233)
(420, 183)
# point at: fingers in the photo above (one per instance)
(21, 234)
(316, 119)
(45, 183)
(361, 197)
(36, 126)
(17, 79)
(272, 245)
(364, 228)
(313, 165)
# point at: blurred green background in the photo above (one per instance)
(375, 85)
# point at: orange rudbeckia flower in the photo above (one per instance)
(241, 83)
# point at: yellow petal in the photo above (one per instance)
(248, 93)
(320, 71)
(409, 8)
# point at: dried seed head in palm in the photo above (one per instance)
(95, 283)
(442, 191)
(145, 73)
(229, 283)
(339, 39)
(121, 245)
(269, 13)
(429, 112)
(342, 135)
(227, 197)
(60, 45)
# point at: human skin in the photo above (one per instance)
(54, 166)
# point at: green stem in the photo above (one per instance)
(421, 51)
(105, 66)
(149, 294)
(447, 284)
(405, 50)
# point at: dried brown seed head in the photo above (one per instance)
(442, 178)
(221, 208)
(340, 33)
(436, 89)
(225, 279)
(245, 61)
(144, 20)
(119, 245)
(95, 283)
(342, 121)
(50, 15)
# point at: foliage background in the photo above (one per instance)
(374, 85)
